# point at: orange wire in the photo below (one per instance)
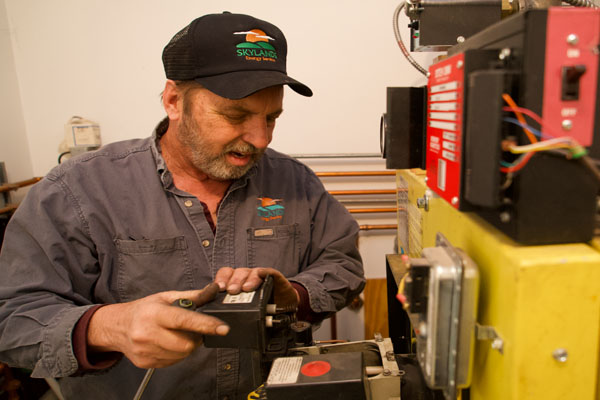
(513, 106)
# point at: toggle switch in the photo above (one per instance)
(571, 76)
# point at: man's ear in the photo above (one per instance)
(172, 101)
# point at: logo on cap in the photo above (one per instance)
(257, 46)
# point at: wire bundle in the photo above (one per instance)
(548, 141)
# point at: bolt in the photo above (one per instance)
(505, 217)
(390, 355)
(498, 344)
(572, 39)
(560, 355)
(454, 201)
(426, 179)
(387, 372)
(567, 124)
(459, 64)
(504, 53)
(460, 39)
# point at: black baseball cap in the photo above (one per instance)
(232, 55)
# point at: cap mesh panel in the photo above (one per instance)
(177, 58)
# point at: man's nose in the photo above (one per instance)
(257, 132)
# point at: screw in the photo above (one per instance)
(505, 217)
(459, 64)
(498, 344)
(460, 39)
(504, 53)
(567, 124)
(454, 201)
(560, 355)
(572, 39)
(387, 372)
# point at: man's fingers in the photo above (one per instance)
(185, 320)
(222, 277)
(254, 280)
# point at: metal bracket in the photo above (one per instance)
(485, 332)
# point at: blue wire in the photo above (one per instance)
(533, 130)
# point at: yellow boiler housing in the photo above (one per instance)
(543, 302)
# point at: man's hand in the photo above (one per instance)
(151, 332)
(249, 279)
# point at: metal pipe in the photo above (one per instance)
(17, 185)
(373, 210)
(355, 173)
(338, 155)
(8, 208)
(360, 192)
(377, 227)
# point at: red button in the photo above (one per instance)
(315, 368)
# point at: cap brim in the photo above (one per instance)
(239, 84)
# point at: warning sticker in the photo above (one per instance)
(284, 370)
(241, 298)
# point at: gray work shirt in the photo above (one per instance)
(110, 226)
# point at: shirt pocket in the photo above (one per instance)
(274, 247)
(152, 265)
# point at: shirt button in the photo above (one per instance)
(206, 243)
(188, 203)
(227, 367)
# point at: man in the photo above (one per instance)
(100, 249)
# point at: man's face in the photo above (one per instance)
(224, 138)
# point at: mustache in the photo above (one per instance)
(243, 148)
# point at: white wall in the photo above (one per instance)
(101, 60)
(14, 149)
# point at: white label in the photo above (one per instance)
(450, 126)
(241, 298)
(434, 139)
(444, 87)
(568, 112)
(444, 96)
(448, 116)
(451, 106)
(449, 136)
(434, 146)
(573, 53)
(284, 370)
(449, 155)
(441, 175)
(449, 145)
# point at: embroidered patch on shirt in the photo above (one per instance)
(263, 232)
(269, 209)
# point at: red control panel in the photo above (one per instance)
(445, 98)
(571, 73)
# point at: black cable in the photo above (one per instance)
(61, 155)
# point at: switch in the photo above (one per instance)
(571, 76)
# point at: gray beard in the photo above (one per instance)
(214, 165)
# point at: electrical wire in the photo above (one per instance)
(514, 108)
(411, 60)
(535, 117)
(533, 130)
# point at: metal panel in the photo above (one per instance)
(540, 300)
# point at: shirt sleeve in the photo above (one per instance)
(333, 273)
(48, 267)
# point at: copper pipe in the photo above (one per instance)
(14, 186)
(377, 227)
(372, 210)
(355, 173)
(8, 208)
(360, 192)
